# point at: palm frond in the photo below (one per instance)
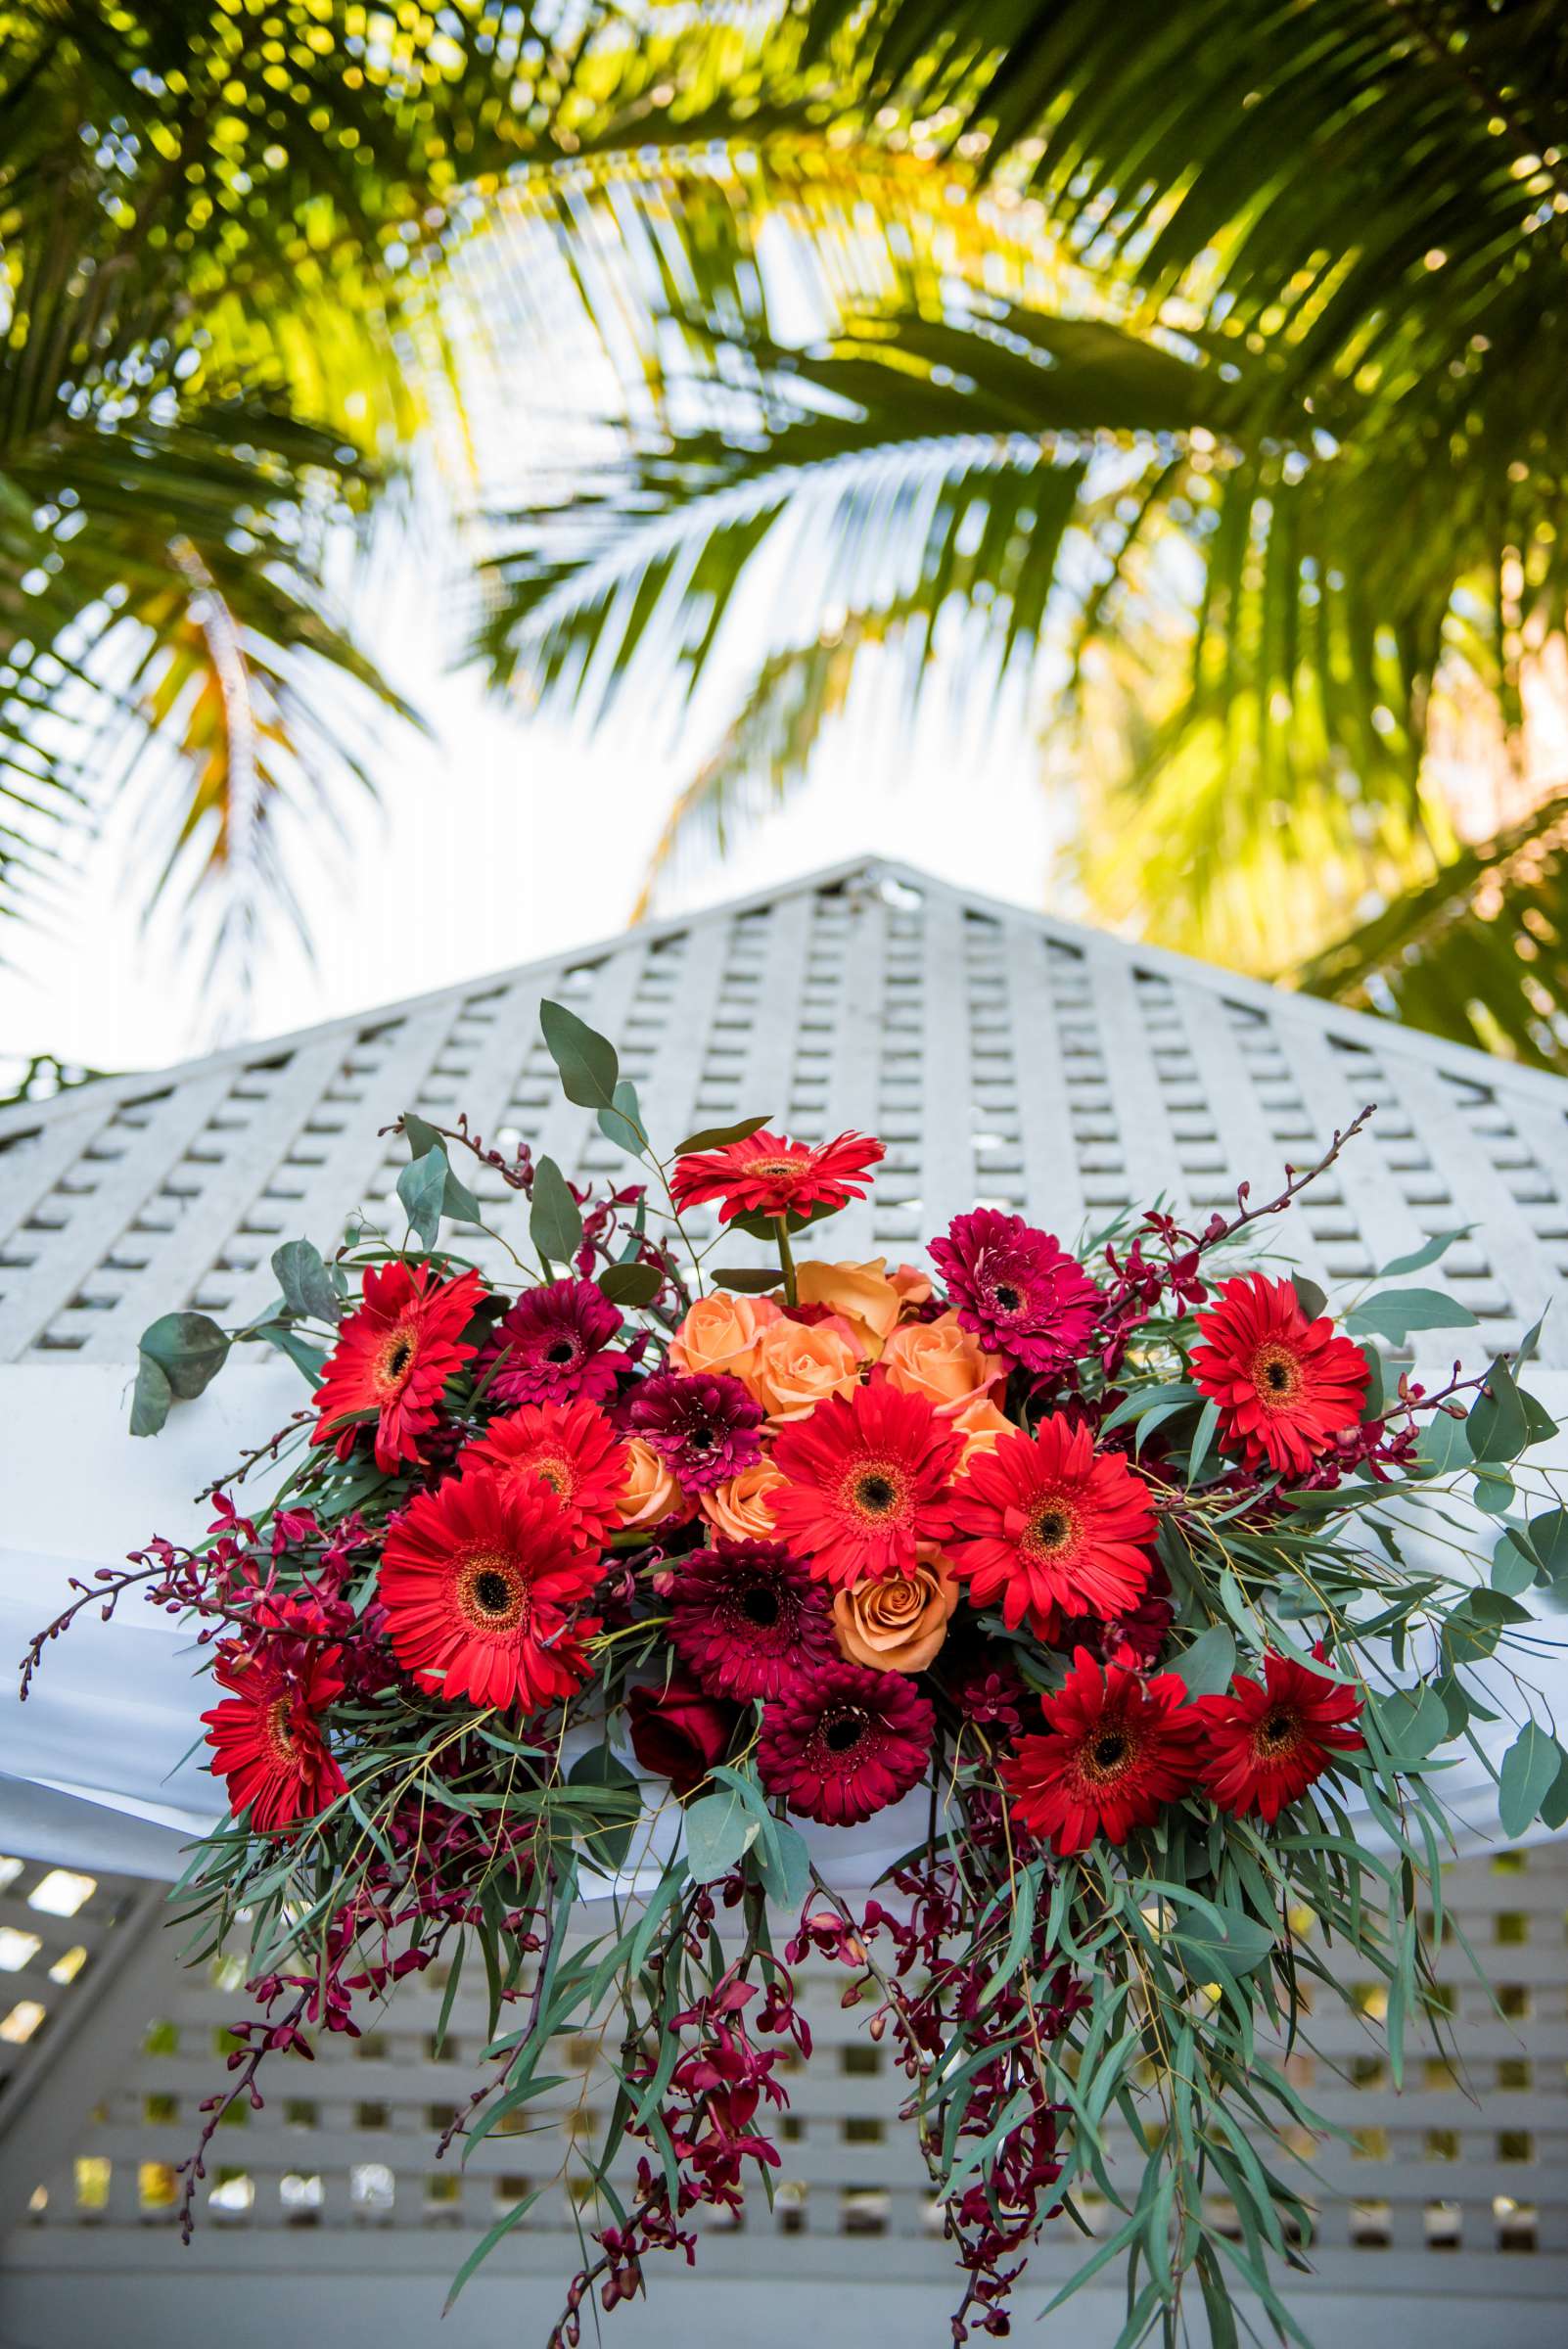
(1480, 952)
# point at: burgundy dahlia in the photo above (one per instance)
(1021, 1294)
(746, 1619)
(704, 1428)
(554, 1341)
(842, 1742)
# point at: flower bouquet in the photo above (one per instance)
(1117, 1595)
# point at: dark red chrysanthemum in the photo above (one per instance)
(1021, 1294)
(866, 1482)
(842, 1742)
(570, 1447)
(1051, 1528)
(553, 1342)
(1116, 1749)
(266, 1737)
(480, 1582)
(394, 1356)
(1285, 1386)
(768, 1175)
(704, 1427)
(745, 1617)
(1267, 1744)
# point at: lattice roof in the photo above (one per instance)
(1001, 1055)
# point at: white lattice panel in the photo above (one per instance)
(1472, 2160)
(1001, 1057)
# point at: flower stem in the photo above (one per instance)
(786, 1260)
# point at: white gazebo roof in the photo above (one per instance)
(1001, 1055)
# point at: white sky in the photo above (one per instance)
(507, 837)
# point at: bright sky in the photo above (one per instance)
(507, 835)
(505, 838)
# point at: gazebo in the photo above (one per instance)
(1006, 1058)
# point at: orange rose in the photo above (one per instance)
(741, 1507)
(650, 1492)
(862, 1293)
(720, 1333)
(981, 1424)
(897, 1625)
(913, 1285)
(943, 1363)
(799, 1364)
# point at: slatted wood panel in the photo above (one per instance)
(1469, 2160)
(1001, 1057)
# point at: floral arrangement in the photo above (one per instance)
(1104, 1581)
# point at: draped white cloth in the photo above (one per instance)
(103, 1768)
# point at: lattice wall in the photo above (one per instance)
(1000, 1056)
(1473, 2158)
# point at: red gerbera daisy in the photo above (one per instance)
(1021, 1294)
(570, 1447)
(768, 1174)
(842, 1742)
(746, 1619)
(393, 1357)
(266, 1737)
(866, 1482)
(1285, 1386)
(1116, 1749)
(553, 1344)
(1267, 1745)
(480, 1580)
(1051, 1527)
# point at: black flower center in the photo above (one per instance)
(1008, 1297)
(876, 1493)
(1276, 1376)
(759, 1605)
(401, 1354)
(700, 1439)
(492, 1592)
(561, 1352)
(1277, 1729)
(1052, 1527)
(842, 1732)
(1110, 1751)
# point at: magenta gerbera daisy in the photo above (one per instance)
(1021, 1294)
(553, 1345)
(746, 1619)
(843, 1742)
(704, 1427)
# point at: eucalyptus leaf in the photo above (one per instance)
(1496, 1426)
(719, 1832)
(305, 1282)
(631, 1284)
(420, 1135)
(586, 1060)
(717, 1138)
(605, 1832)
(1395, 1312)
(555, 1225)
(1207, 1667)
(1427, 1254)
(623, 1125)
(151, 1398)
(422, 1189)
(189, 1349)
(1511, 1570)
(1530, 1770)
(1208, 1953)
(784, 1867)
(1548, 1539)
(1309, 1295)
(748, 1281)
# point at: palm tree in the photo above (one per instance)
(1247, 385)
(221, 229)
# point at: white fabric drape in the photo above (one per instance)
(103, 1768)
